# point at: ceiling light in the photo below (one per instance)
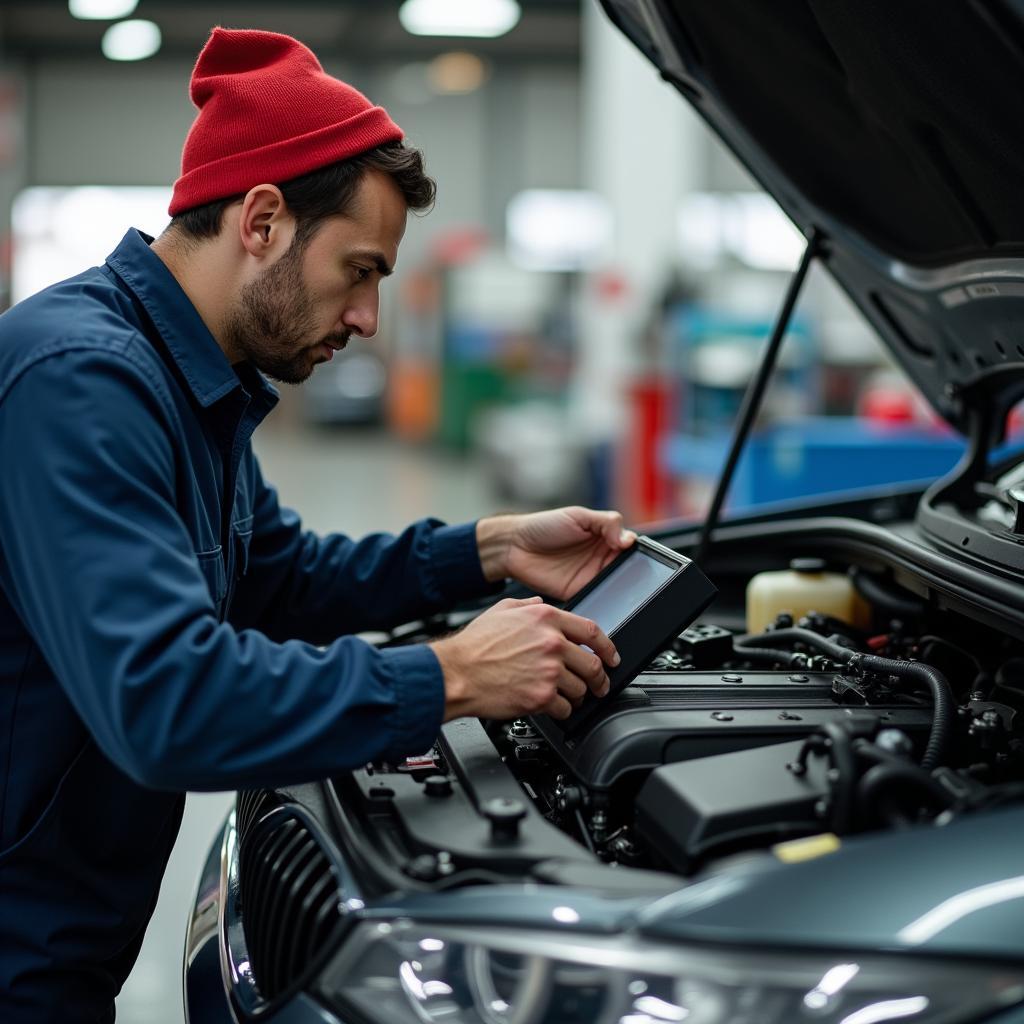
(558, 229)
(456, 73)
(131, 40)
(102, 10)
(481, 18)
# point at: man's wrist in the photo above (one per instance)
(493, 540)
(457, 703)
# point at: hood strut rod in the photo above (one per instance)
(755, 392)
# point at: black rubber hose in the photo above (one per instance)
(876, 593)
(766, 654)
(787, 637)
(944, 707)
(841, 753)
(882, 777)
(944, 710)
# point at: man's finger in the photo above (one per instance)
(611, 527)
(586, 631)
(618, 537)
(587, 666)
(558, 707)
(572, 687)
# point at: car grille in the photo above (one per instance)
(250, 806)
(289, 897)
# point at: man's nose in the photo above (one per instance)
(361, 319)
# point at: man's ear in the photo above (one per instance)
(265, 226)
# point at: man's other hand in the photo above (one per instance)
(555, 552)
(523, 658)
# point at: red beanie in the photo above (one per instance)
(267, 113)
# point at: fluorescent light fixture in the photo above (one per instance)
(479, 18)
(557, 229)
(131, 40)
(102, 10)
(748, 226)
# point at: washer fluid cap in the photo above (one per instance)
(807, 565)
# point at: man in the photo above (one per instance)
(164, 624)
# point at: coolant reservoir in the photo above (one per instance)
(804, 587)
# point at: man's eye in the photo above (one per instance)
(362, 273)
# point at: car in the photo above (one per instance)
(347, 391)
(818, 822)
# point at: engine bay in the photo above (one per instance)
(817, 731)
(727, 745)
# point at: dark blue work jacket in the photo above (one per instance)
(164, 624)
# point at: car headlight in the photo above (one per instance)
(409, 972)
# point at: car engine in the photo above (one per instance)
(727, 745)
(731, 743)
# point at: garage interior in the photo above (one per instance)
(576, 321)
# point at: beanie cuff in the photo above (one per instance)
(284, 160)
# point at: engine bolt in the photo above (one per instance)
(521, 729)
(437, 785)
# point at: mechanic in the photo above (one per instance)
(164, 624)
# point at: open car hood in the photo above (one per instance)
(895, 130)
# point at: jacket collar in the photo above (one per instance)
(200, 359)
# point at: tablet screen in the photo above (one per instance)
(612, 601)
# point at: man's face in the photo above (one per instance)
(304, 307)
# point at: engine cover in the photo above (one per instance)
(750, 798)
(667, 717)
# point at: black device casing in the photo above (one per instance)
(679, 600)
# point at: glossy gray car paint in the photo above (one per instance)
(959, 897)
(956, 890)
(869, 895)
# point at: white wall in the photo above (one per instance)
(98, 123)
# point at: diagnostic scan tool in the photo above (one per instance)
(641, 600)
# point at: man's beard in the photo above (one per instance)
(273, 322)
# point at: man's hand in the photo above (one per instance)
(555, 552)
(523, 658)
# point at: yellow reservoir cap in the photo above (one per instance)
(794, 851)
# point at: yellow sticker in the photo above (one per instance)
(797, 850)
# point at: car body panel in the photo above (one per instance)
(953, 891)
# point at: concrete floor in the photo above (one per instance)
(352, 480)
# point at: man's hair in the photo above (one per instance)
(326, 192)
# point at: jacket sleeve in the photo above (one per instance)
(102, 571)
(299, 585)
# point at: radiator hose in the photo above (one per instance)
(762, 648)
